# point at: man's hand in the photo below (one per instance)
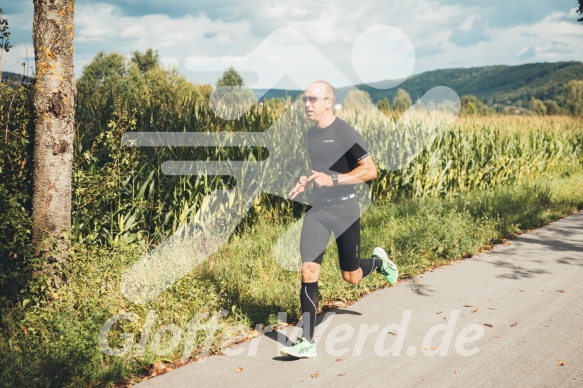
(299, 187)
(320, 179)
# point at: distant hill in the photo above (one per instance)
(504, 85)
(495, 85)
(13, 77)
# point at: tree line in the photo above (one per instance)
(472, 105)
(503, 89)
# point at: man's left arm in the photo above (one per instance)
(365, 171)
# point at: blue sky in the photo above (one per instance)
(354, 37)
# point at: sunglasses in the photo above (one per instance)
(313, 99)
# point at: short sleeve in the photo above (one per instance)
(352, 140)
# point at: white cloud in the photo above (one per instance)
(548, 40)
(494, 32)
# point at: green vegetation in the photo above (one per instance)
(16, 120)
(471, 105)
(384, 105)
(111, 76)
(402, 101)
(231, 77)
(538, 107)
(574, 97)
(471, 188)
(357, 100)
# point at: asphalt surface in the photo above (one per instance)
(512, 316)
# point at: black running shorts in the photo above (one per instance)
(343, 219)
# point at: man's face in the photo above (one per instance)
(321, 103)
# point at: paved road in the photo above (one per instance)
(509, 317)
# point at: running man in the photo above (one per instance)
(340, 161)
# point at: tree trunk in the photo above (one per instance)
(54, 105)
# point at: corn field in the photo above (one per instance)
(479, 152)
(122, 193)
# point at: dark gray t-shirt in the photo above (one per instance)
(336, 148)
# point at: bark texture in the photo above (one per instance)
(54, 104)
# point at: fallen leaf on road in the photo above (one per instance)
(338, 359)
(239, 370)
(488, 325)
(457, 372)
(468, 305)
(514, 324)
(314, 375)
(561, 291)
(474, 310)
(560, 363)
(341, 374)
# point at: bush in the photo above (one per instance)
(16, 150)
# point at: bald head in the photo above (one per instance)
(323, 88)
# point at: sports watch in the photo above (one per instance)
(334, 179)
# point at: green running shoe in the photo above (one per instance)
(389, 269)
(302, 348)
